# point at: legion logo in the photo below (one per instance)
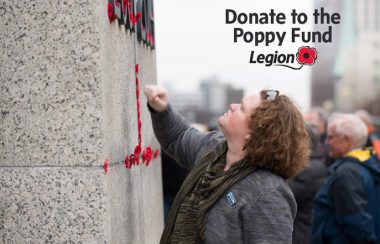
(305, 56)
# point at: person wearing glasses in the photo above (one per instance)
(347, 207)
(236, 191)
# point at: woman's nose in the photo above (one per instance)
(234, 106)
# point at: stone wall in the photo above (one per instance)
(68, 103)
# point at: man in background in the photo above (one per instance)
(373, 137)
(346, 209)
(305, 186)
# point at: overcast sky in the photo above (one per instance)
(194, 42)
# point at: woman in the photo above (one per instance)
(236, 190)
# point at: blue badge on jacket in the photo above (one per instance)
(231, 199)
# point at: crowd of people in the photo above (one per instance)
(271, 175)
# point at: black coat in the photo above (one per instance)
(304, 187)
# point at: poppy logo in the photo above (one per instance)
(305, 56)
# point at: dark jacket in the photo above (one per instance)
(304, 187)
(347, 208)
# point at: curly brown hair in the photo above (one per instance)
(278, 140)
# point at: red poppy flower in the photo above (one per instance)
(124, 4)
(128, 163)
(137, 154)
(106, 166)
(306, 55)
(155, 155)
(137, 16)
(134, 18)
(150, 38)
(147, 155)
(137, 160)
(137, 150)
(111, 15)
(137, 68)
(132, 159)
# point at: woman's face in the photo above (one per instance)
(234, 123)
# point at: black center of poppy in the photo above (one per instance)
(306, 55)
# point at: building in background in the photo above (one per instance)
(185, 102)
(359, 83)
(207, 103)
(322, 75)
(347, 76)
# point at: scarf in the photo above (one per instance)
(204, 185)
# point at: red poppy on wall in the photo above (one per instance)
(155, 155)
(128, 162)
(105, 166)
(147, 155)
(111, 15)
(137, 154)
(124, 4)
(306, 55)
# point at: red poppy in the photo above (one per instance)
(137, 68)
(128, 163)
(155, 155)
(137, 160)
(147, 155)
(137, 154)
(306, 55)
(106, 166)
(137, 16)
(111, 15)
(137, 150)
(134, 18)
(124, 4)
(150, 38)
(132, 159)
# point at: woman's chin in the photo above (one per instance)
(220, 121)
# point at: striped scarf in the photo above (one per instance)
(204, 185)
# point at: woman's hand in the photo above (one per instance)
(157, 97)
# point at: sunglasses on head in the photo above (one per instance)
(269, 95)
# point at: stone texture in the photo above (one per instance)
(137, 208)
(136, 204)
(50, 96)
(51, 205)
(67, 103)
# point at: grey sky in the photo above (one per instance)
(193, 43)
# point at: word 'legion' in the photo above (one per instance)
(272, 58)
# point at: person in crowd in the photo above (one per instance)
(346, 209)
(236, 190)
(305, 186)
(318, 118)
(373, 137)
